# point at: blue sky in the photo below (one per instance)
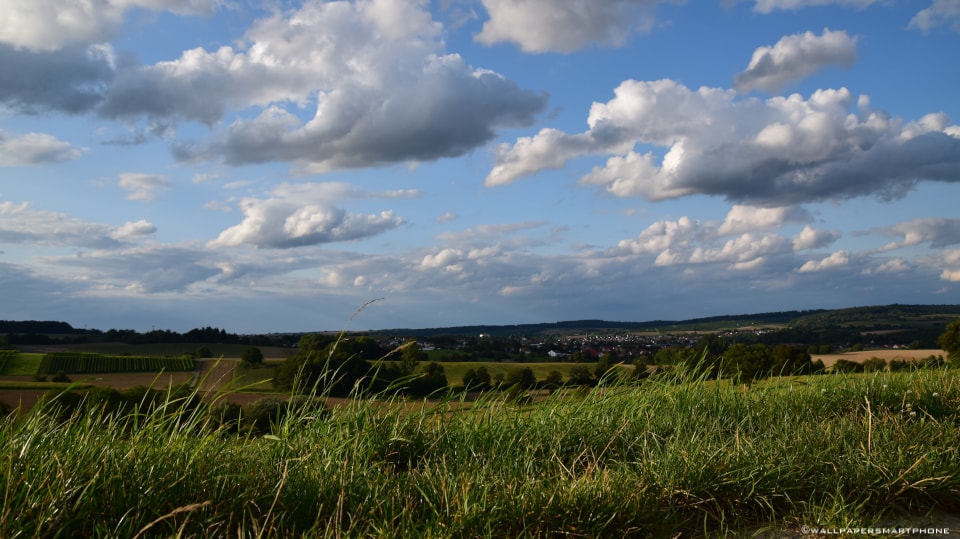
(273, 166)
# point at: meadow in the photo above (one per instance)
(672, 456)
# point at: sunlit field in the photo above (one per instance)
(671, 456)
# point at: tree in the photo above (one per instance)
(580, 376)
(322, 363)
(553, 380)
(790, 360)
(746, 363)
(950, 341)
(522, 378)
(477, 379)
(203, 352)
(411, 357)
(604, 366)
(252, 356)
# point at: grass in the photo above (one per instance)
(21, 364)
(670, 457)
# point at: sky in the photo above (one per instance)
(289, 166)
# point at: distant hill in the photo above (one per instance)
(926, 318)
(37, 326)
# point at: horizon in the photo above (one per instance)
(541, 323)
(382, 164)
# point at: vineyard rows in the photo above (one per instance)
(86, 363)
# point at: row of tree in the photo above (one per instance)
(347, 366)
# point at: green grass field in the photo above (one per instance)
(673, 457)
(21, 364)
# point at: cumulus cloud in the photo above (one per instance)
(950, 261)
(768, 6)
(565, 25)
(47, 25)
(794, 58)
(143, 186)
(743, 218)
(133, 229)
(19, 224)
(778, 151)
(376, 73)
(812, 238)
(34, 149)
(305, 214)
(940, 13)
(747, 239)
(895, 265)
(937, 231)
(70, 80)
(835, 260)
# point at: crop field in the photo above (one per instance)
(86, 363)
(885, 354)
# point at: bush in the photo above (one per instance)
(252, 356)
(846, 366)
(874, 364)
(226, 416)
(266, 413)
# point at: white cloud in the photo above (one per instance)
(663, 236)
(295, 215)
(940, 13)
(143, 186)
(742, 218)
(446, 217)
(47, 25)
(34, 149)
(794, 58)
(895, 265)
(133, 229)
(376, 73)
(19, 224)
(779, 151)
(768, 6)
(938, 231)
(565, 25)
(812, 238)
(835, 260)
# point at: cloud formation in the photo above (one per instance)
(34, 149)
(46, 25)
(938, 232)
(794, 58)
(143, 186)
(940, 13)
(778, 151)
(769, 6)
(305, 214)
(19, 224)
(565, 25)
(70, 80)
(381, 84)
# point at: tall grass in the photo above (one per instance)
(671, 456)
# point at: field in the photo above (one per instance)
(673, 457)
(885, 354)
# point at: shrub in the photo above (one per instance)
(845, 366)
(874, 364)
(252, 356)
(266, 413)
(226, 416)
